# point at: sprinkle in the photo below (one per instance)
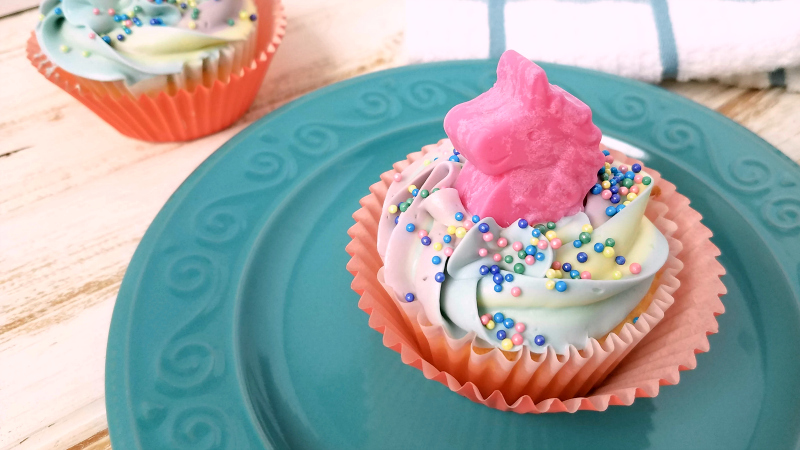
(483, 270)
(64, 49)
(439, 277)
(497, 257)
(392, 209)
(502, 242)
(520, 327)
(516, 291)
(522, 254)
(461, 232)
(585, 237)
(635, 189)
(468, 225)
(436, 260)
(409, 297)
(620, 260)
(542, 245)
(635, 319)
(58, 11)
(485, 319)
(522, 223)
(508, 259)
(454, 158)
(605, 184)
(86, 53)
(550, 273)
(426, 241)
(192, 25)
(539, 256)
(616, 275)
(501, 334)
(488, 237)
(609, 252)
(599, 247)
(577, 243)
(415, 192)
(411, 188)
(555, 243)
(519, 268)
(427, 162)
(499, 317)
(507, 344)
(638, 179)
(635, 268)
(610, 211)
(448, 251)
(483, 228)
(41, 17)
(403, 206)
(96, 11)
(597, 188)
(550, 235)
(111, 11)
(509, 278)
(539, 340)
(497, 278)
(582, 257)
(483, 252)
(243, 15)
(397, 176)
(586, 275)
(574, 274)
(126, 30)
(529, 260)
(476, 219)
(490, 325)
(530, 250)
(517, 246)
(551, 225)
(550, 284)
(447, 238)
(636, 168)
(494, 269)
(561, 286)
(451, 229)
(631, 196)
(536, 233)
(106, 39)
(606, 194)
(516, 339)
(556, 265)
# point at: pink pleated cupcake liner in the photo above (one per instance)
(613, 371)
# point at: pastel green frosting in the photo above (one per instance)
(149, 50)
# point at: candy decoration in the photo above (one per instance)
(507, 344)
(409, 297)
(516, 339)
(635, 268)
(485, 319)
(501, 334)
(437, 260)
(561, 286)
(544, 142)
(539, 340)
(582, 257)
(439, 277)
(516, 291)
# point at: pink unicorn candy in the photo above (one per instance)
(532, 150)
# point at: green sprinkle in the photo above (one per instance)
(521, 254)
(137, 9)
(434, 190)
(519, 268)
(647, 180)
(610, 242)
(424, 193)
(508, 259)
(403, 207)
(585, 237)
(627, 182)
(606, 177)
(231, 22)
(551, 225)
(541, 227)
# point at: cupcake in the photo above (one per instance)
(527, 262)
(159, 70)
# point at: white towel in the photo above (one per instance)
(749, 43)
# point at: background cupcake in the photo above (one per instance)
(159, 70)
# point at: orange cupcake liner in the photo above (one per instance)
(182, 115)
(632, 363)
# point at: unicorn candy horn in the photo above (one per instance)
(532, 150)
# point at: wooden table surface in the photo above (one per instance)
(76, 198)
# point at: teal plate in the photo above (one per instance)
(236, 328)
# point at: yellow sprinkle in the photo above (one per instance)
(451, 229)
(534, 241)
(617, 275)
(631, 196)
(192, 3)
(461, 232)
(192, 25)
(86, 53)
(626, 203)
(392, 209)
(550, 274)
(606, 184)
(41, 17)
(559, 274)
(411, 188)
(426, 162)
(64, 49)
(608, 252)
(506, 344)
(490, 325)
(550, 235)
(437, 246)
(587, 228)
(607, 165)
(550, 284)
(243, 15)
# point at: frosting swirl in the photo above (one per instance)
(450, 271)
(134, 40)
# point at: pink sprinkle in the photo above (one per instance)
(610, 159)
(488, 237)
(398, 176)
(96, 11)
(468, 225)
(635, 268)
(485, 319)
(515, 291)
(422, 234)
(529, 260)
(497, 257)
(635, 189)
(586, 275)
(517, 246)
(606, 194)
(623, 168)
(502, 242)
(516, 339)
(520, 327)
(623, 191)
(483, 252)
(128, 23)
(111, 11)
(556, 265)
(638, 178)
(542, 244)
(448, 251)
(92, 35)
(555, 243)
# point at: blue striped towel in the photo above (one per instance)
(748, 43)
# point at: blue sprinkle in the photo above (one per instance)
(447, 238)
(497, 278)
(539, 340)
(453, 158)
(574, 274)
(508, 323)
(536, 233)
(498, 287)
(439, 277)
(561, 286)
(635, 319)
(126, 30)
(531, 250)
(456, 152)
(601, 171)
(494, 269)
(137, 22)
(605, 152)
(459, 216)
(120, 37)
(599, 247)
(154, 21)
(117, 17)
(426, 241)
(539, 256)
(630, 175)
(158, 2)
(636, 168)
(484, 270)
(509, 277)
(410, 228)
(436, 260)
(566, 267)
(501, 334)
(483, 228)
(613, 181)
(522, 223)
(58, 11)
(499, 318)
(415, 192)
(620, 207)
(396, 219)
(614, 189)
(107, 40)
(476, 219)
(596, 189)
(409, 297)
(614, 170)
(577, 243)
(610, 211)
(183, 5)
(582, 257)
(620, 260)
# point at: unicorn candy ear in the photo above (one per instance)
(532, 150)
